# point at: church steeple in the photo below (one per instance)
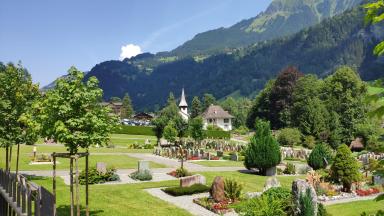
(183, 106)
(183, 102)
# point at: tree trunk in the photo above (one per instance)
(71, 184)
(77, 186)
(10, 159)
(17, 158)
(6, 158)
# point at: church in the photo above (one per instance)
(183, 106)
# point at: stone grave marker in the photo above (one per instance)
(234, 156)
(191, 180)
(143, 165)
(101, 167)
(217, 189)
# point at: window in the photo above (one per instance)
(226, 120)
(210, 120)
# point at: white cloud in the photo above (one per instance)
(129, 51)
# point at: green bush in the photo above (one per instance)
(321, 211)
(215, 134)
(306, 205)
(242, 130)
(260, 206)
(283, 195)
(232, 189)
(289, 137)
(263, 151)
(134, 130)
(309, 142)
(95, 177)
(182, 172)
(290, 169)
(316, 158)
(145, 175)
(214, 128)
(180, 191)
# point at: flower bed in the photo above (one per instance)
(193, 158)
(210, 204)
(367, 192)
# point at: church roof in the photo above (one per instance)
(215, 111)
(183, 102)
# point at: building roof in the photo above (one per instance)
(183, 102)
(215, 111)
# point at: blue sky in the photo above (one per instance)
(49, 36)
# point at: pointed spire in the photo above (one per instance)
(183, 102)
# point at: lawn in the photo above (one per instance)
(117, 161)
(125, 139)
(117, 200)
(251, 182)
(220, 163)
(356, 208)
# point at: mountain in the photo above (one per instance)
(281, 18)
(320, 49)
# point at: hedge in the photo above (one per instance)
(217, 134)
(135, 130)
(181, 191)
(148, 131)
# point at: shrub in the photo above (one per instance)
(282, 194)
(290, 169)
(232, 189)
(134, 130)
(242, 130)
(260, 206)
(263, 151)
(306, 205)
(95, 177)
(145, 175)
(317, 156)
(321, 211)
(214, 128)
(345, 168)
(309, 142)
(215, 134)
(182, 172)
(289, 137)
(180, 191)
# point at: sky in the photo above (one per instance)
(50, 36)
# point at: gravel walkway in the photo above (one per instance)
(354, 199)
(185, 202)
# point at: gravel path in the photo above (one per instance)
(185, 202)
(354, 199)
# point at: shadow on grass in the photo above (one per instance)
(35, 177)
(245, 171)
(65, 210)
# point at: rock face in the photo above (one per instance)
(217, 189)
(299, 188)
(191, 180)
(271, 182)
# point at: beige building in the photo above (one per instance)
(215, 115)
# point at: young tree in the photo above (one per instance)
(159, 125)
(127, 109)
(345, 93)
(320, 157)
(208, 100)
(71, 113)
(345, 168)
(196, 107)
(289, 136)
(263, 151)
(196, 129)
(170, 132)
(18, 97)
(281, 97)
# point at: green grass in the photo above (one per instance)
(117, 161)
(356, 208)
(251, 182)
(226, 163)
(125, 139)
(117, 200)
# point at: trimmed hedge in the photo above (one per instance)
(180, 191)
(217, 134)
(134, 130)
(148, 131)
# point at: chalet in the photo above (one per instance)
(143, 116)
(215, 115)
(115, 107)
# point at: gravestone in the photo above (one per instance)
(234, 156)
(377, 180)
(101, 167)
(217, 189)
(143, 165)
(219, 153)
(191, 180)
(271, 183)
